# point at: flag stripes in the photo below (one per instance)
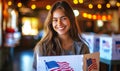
(58, 66)
(91, 63)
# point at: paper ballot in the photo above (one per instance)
(68, 63)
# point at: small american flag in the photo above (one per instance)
(117, 44)
(106, 44)
(91, 64)
(58, 66)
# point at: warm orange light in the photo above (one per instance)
(33, 6)
(109, 17)
(80, 1)
(108, 5)
(19, 4)
(118, 4)
(84, 15)
(99, 17)
(99, 6)
(104, 18)
(90, 6)
(94, 17)
(89, 16)
(9, 3)
(75, 1)
(48, 7)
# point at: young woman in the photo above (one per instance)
(61, 34)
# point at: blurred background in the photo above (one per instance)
(21, 27)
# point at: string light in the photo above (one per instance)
(90, 6)
(104, 17)
(94, 17)
(33, 6)
(108, 5)
(84, 15)
(75, 1)
(19, 4)
(48, 7)
(9, 3)
(99, 17)
(80, 1)
(109, 17)
(99, 6)
(89, 16)
(118, 4)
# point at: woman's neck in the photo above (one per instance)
(66, 41)
(65, 38)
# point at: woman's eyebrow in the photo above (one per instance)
(58, 17)
(62, 16)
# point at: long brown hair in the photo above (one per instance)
(50, 35)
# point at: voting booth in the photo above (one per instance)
(89, 38)
(93, 41)
(110, 47)
(87, 62)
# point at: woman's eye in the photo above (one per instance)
(64, 18)
(54, 20)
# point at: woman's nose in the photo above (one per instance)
(59, 22)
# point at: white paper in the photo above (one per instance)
(76, 62)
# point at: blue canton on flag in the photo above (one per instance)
(91, 64)
(58, 66)
(106, 44)
(117, 46)
(52, 65)
(117, 43)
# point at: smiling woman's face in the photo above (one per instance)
(60, 22)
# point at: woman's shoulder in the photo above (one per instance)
(82, 46)
(79, 43)
(39, 48)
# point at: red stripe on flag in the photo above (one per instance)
(93, 65)
(64, 66)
